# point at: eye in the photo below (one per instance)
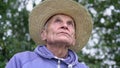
(70, 23)
(58, 20)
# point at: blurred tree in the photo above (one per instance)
(104, 48)
(101, 52)
(14, 36)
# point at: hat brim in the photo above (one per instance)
(42, 12)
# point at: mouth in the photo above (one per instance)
(64, 33)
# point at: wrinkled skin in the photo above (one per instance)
(59, 32)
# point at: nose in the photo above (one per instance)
(64, 26)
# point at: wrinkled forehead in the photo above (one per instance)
(61, 14)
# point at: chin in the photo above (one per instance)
(63, 42)
(63, 39)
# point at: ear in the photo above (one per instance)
(43, 35)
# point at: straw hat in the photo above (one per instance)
(43, 11)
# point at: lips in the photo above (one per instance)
(64, 33)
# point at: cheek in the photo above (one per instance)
(73, 40)
(73, 37)
(72, 30)
(50, 34)
(73, 33)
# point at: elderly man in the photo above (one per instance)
(59, 35)
(60, 28)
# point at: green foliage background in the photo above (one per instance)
(102, 53)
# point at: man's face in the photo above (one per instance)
(60, 29)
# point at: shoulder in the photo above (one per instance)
(25, 56)
(19, 59)
(81, 65)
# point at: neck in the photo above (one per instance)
(59, 51)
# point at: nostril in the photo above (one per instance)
(64, 27)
